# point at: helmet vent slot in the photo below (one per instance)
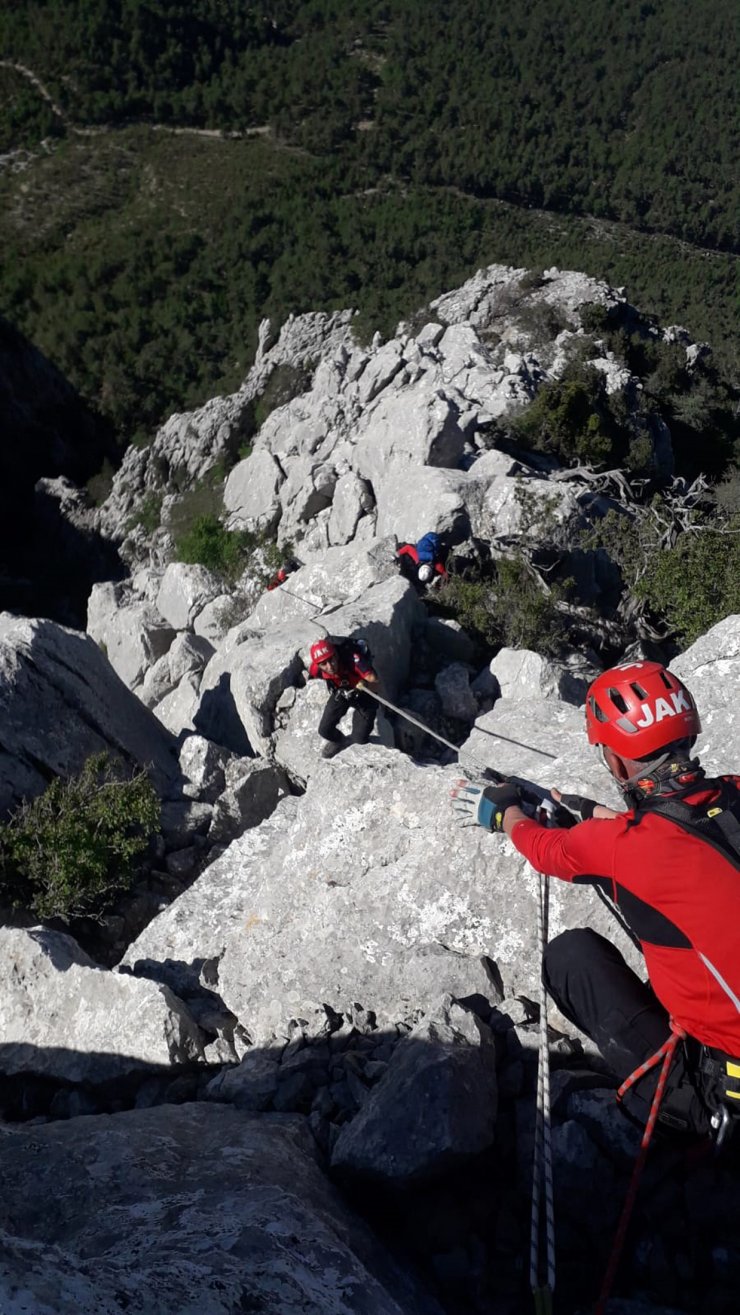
(638, 690)
(618, 700)
(596, 710)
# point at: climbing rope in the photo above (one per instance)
(666, 1053)
(458, 749)
(542, 1158)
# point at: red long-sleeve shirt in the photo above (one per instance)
(680, 896)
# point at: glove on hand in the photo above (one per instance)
(580, 805)
(484, 805)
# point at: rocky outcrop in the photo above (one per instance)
(338, 897)
(189, 446)
(60, 702)
(342, 950)
(176, 1201)
(434, 1107)
(333, 463)
(64, 1017)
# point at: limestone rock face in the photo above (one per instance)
(63, 1017)
(184, 592)
(434, 1107)
(332, 899)
(711, 669)
(182, 1208)
(521, 674)
(133, 635)
(339, 575)
(251, 492)
(60, 702)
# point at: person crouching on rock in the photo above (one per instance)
(345, 665)
(421, 563)
(671, 864)
(283, 572)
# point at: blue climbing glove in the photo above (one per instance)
(484, 805)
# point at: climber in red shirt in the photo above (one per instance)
(283, 572)
(671, 865)
(345, 665)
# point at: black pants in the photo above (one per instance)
(363, 718)
(593, 987)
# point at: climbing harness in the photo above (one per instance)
(665, 1053)
(448, 743)
(542, 1288)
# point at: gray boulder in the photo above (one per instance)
(519, 673)
(456, 696)
(411, 426)
(251, 494)
(183, 593)
(352, 499)
(338, 575)
(179, 708)
(174, 1209)
(434, 1108)
(243, 682)
(203, 766)
(133, 635)
(331, 899)
(187, 656)
(63, 1017)
(252, 790)
(711, 669)
(60, 702)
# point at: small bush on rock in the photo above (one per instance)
(573, 419)
(230, 552)
(68, 851)
(510, 609)
(697, 583)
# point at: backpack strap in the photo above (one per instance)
(718, 822)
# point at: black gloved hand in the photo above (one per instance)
(580, 805)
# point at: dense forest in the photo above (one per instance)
(363, 153)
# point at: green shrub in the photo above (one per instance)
(67, 852)
(149, 514)
(574, 419)
(208, 543)
(230, 552)
(697, 583)
(509, 609)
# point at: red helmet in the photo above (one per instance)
(322, 650)
(639, 709)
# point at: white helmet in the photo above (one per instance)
(425, 572)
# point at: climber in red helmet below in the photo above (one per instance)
(345, 665)
(671, 863)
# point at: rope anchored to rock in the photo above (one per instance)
(456, 748)
(665, 1053)
(542, 1194)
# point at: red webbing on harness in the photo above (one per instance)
(666, 1053)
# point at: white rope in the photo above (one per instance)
(457, 748)
(542, 1158)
